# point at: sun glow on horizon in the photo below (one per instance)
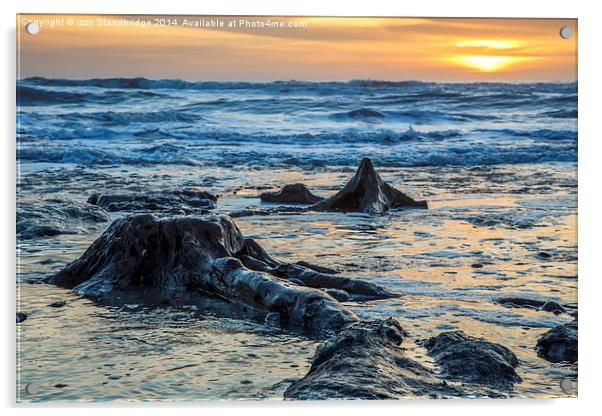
(486, 63)
(479, 57)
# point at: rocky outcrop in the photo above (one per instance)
(474, 361)
(365, 361)
(559, 344)
(53, 217)
(291, 194)
(367, 192)
(210, 255)
(172, 202)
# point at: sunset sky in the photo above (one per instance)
(319, 49)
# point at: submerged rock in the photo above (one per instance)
(367, 192)
(53, 217)
(554, 307)
(474, 361)
(173, 202)
(253, 211)
(58, 304)
(355, 289)
(317, 268)
(364, 113)
(209, 255)
(521, 302)
(256, 258)
(542, 305)
(291, 194)
(559, 343)
(21, 317)
(365, 361)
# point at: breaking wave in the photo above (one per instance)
(134, 121)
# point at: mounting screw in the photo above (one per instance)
(32, 389)
(567, 385)
(566, 32)
(32, 28)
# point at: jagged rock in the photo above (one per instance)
(21, 317)
(474, 361)
(173, 202)
(367, 192)
(365, 361)
(210, 255)
(559, 343)
(291, 194)
(547, 306)
(53, 217)
(409, 134)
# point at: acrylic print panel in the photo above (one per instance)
(302, 208)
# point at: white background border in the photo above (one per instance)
(590, 93)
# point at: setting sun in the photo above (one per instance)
(485, 63)
(479, 57)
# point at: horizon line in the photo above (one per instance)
(549, 81)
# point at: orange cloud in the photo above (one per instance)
(308, 48)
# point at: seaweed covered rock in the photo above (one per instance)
(367, 192)
(365, 361)
(291, 194)
(559, 343)
(53, 217)
(174, 202)
(474, 361)
(209, 255)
